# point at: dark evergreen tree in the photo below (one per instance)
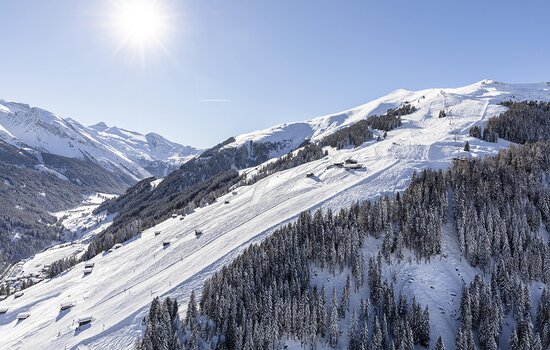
(333, 328)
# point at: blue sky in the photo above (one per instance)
(269, 61)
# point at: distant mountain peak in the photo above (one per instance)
(114, 148)
(99, 126)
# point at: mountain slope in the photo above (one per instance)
(28, 192)
(124, 281)
(117, 150)
(291, 135)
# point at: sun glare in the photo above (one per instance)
(140, 25)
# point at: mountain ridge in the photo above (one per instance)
(294, 133)
(115, 149)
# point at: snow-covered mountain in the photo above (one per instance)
(118, 150)
(291, 135)
(118, 291)
(153, 152)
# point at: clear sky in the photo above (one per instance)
(229, 67)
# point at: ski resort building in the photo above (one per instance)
(85, 320)
(67, 306)
(23, 316)
(353, 166)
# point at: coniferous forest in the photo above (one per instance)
(495, 208)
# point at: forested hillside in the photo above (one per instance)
(34, 185)
(497, 209)
(523, 122)
(27, 197)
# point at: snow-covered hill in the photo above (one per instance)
(291, 135)
(128, 152)
(118, 291)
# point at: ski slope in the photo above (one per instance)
(291, 135)
(118, 291)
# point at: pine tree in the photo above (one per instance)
(439, 345)
(365, 309)
(376, 342)
(322, 313)
(364, 336)
(475, 131)
(344, 304)
(334, 330)
(353, 333)
(467, 147)
(465, 309)
(513, 341)
(384, 329)
(192, 312)
(424, 329)
(409, 338)
(537, 343)
(543, 310)
(460, 342)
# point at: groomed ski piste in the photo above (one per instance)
(118, 291)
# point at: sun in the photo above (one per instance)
(140, 25)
